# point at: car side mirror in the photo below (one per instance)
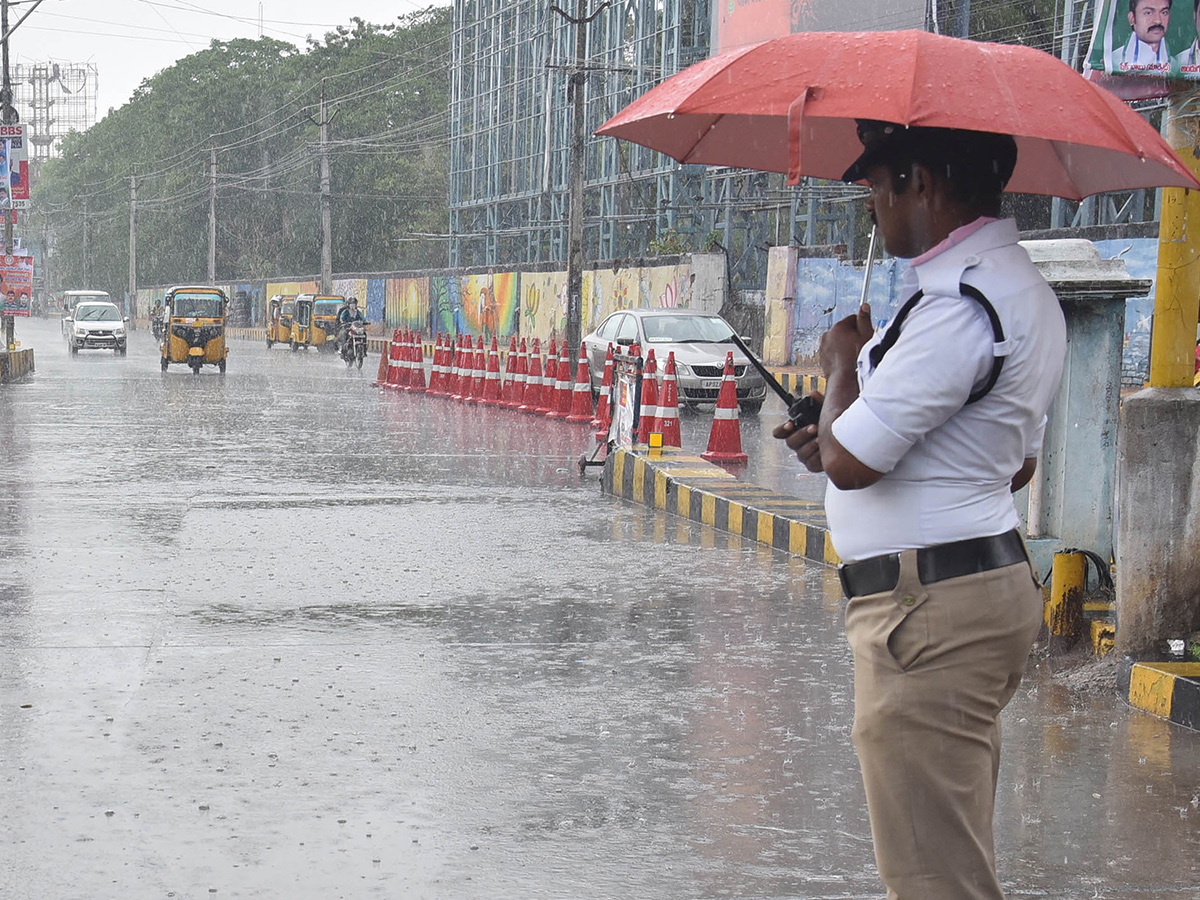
(625, 341)
(127, 320)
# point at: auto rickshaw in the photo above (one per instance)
(323, 334)
(281, 309)
(302, 316)
(195, 335)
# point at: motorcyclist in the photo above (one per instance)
(348, 314)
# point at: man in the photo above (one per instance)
(926, 429)
(1187, 63)
(1147, 49)
(346, 315)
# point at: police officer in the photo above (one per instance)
(927, 427)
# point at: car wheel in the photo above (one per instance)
(221, 367)
(269, 343)
(74, 349)
(751, 406)
(121, 351)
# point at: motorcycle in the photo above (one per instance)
(354, 344)
(156, 327)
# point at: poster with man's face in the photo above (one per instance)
(16, 284)
(1139, 46)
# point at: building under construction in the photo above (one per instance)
(54, 99)
(514, 65)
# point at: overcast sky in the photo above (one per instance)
(131, 40)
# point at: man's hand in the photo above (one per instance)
(841, 344)
(803, 440)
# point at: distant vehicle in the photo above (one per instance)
(195, 336)
(71, 299)
(281, 310)
(700, 342)
(325, 312)
(96, 325)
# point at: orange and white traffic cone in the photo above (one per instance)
(648, 417)
(510, 375)
(533, 380)
(581, 393)
(546, 397)
(725, 441)
(418, 372)
(461, 385)
(405, 383)
(603, 411)
(478, 371)
(381, 378)
(435, 370)
(491, 383)
(520, 373)
(395, 371)
(562, 386)
(668, 406)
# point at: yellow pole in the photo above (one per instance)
(1064, 612)
(1177, 288)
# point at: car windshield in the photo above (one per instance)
(196, 306)
(686, 329)
(97, 313)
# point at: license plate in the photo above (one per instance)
(710, 383)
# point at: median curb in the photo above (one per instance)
(16, 365)
(1168, 690)
(685, 485)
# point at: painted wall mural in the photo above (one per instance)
(407, 303)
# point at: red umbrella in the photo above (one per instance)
(789, 105)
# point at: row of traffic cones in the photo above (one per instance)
(464, 373)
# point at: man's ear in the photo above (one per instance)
(922, 179)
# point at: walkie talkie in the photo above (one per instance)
(802, 411)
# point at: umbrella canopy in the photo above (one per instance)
(789, 105)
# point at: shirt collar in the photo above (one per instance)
(939, 271)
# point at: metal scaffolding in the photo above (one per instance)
(54, 99)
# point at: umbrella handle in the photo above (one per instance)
(870, 265)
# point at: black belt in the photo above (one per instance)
(880, 573)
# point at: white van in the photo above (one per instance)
(71, 299)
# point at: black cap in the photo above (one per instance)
(983, 155)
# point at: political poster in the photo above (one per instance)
(16, 284)
(736, 23)
(1140, 46)
(14, 168)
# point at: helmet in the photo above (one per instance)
(353, 301)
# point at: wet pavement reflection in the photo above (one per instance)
(280, 634)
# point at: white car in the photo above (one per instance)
(96, 325)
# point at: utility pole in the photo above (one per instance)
(326, 206)
(87, 246)
(9, 117)
(578, 147)
(133, 250)
(212, 216)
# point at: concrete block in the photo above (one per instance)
(1158, 529)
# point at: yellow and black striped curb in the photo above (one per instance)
(688, 486)
(15, 365)
(1167, 690)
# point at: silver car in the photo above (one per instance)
(96, 325)
(700, 342)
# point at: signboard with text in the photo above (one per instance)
(736, 23)
(16, 284)
(1139, 47)
(14, 168)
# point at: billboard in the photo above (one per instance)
(16, 284)
(14, 168)
(736, 23)
(1139, 46)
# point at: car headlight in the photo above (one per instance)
(80, 332)
(119, 332)
(681, 369)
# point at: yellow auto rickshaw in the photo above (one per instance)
(302, 316)
(281, 310)
(325, 313)
(195, 333)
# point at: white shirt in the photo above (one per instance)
(949, 466)
(1188, 62)
(1138, 56)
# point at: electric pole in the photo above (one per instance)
(212, 216)
(326, 206)
(578, 147)
(9, 117)
(87, 246)
(133, 250)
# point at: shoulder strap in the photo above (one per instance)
(893, 334)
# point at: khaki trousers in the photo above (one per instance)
(933, 667)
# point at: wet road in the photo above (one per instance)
(279, 634)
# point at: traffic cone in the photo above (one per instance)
(394, 368)
(478, 371)
(648, 417)
(510, 375)
(546, 395)
(405, 383)
(562, 386)
(520, 374)
(491, 384)
(459, 392)
(603, 411)
(435, 370)
(533, 380)
(418, 371)
(581, 394)
(725, 441)
(381, 378)
(668, 406)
